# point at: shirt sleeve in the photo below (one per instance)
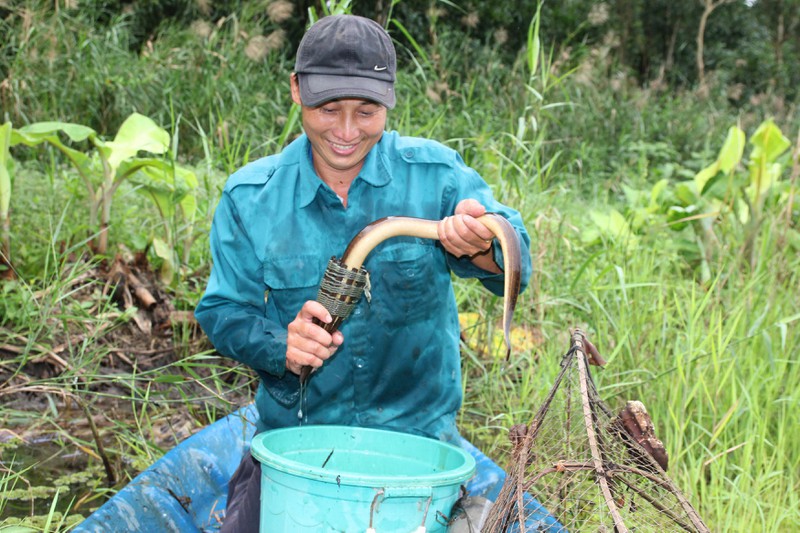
(467, 183)
(232, 312)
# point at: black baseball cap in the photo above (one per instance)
(346, 56)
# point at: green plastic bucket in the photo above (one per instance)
(341, 478)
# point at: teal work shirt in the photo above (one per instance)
(275, 228)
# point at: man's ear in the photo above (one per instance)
(295, 88)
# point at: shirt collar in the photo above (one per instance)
(376, 171)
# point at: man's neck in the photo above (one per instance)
(338, 180)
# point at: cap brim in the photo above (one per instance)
(316, 89)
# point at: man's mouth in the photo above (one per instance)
(343, 148)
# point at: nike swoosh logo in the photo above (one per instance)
(378, 69)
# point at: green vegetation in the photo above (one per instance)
(663, 206)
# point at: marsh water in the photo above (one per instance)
(50, 465)
(49, 474)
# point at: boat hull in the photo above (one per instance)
(186, 490)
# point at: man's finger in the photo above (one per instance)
(459, 236)
(470, 207)
(478, 229)
(312, 309)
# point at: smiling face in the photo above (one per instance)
(341, 132)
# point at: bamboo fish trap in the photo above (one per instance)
(589, 468)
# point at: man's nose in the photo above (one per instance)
(347, 127)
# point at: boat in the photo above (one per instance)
(186, 490)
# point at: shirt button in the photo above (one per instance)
(408, 154)
(359, 362)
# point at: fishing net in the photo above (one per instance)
(578, 466)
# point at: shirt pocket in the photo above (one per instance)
(404, 277)
(291, 281)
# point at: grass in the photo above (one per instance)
(714, 365)
(714, 361)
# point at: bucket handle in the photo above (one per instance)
(399, 492)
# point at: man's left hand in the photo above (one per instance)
(464, 236)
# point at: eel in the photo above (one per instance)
(380, 230)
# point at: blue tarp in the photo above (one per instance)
(186, 490)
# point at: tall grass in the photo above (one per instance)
(715, 366)
(714, 362)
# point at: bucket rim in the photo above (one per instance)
(273, 460)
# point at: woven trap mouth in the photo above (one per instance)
(578, 466)
(340, 290)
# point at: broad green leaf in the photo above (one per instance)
(189, 207)
(590, 235)
(137, 134)
(189, 183)
(170, 264)
(729, 156)
(686, 193)
(75, 132)
(768, 142)
(185, 179)
(718, 187)
(78, 159)
(163, 200)
(145, 171)
(656, 191)
(5, 142)
(155, 178)
(702, 177)
(633, 196)
(677, 216)
(762, 178)
(161, 177)
(5, 175)
(154, 173)
(732, 150)
(638, 218)
(149, 174)
(613, 226)
(741, 210)
(30, 139)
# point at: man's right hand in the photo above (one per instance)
(308, 344)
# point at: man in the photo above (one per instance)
(395, 363)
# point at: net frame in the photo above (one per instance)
(579, 467)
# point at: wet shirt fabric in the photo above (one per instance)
(274, 230)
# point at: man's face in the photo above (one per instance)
(342, 132)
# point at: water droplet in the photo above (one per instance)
(300, 414)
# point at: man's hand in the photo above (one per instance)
(464, 236)
(308, 344)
